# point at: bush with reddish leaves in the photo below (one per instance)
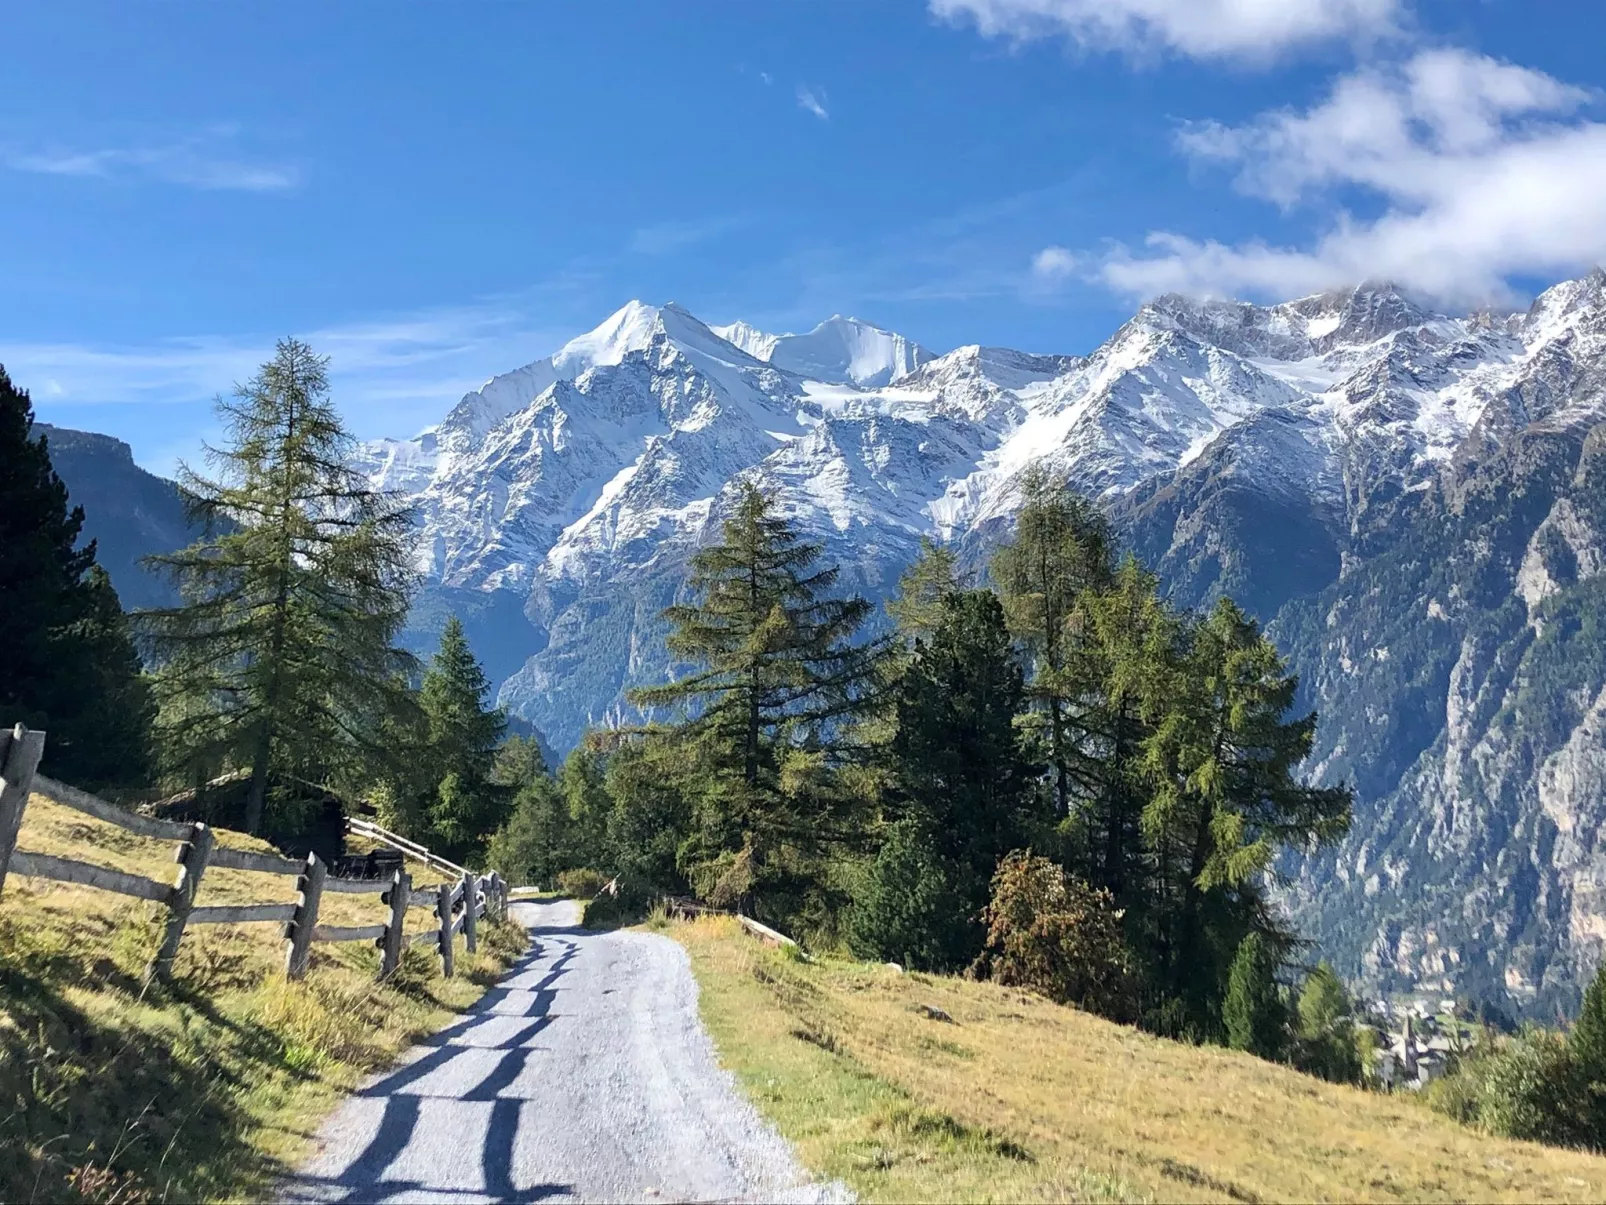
(1054, 934)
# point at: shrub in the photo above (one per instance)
(1056, 935)
(1588, 1046)
(905, 910)
(1326, 1041)
(582, 883)
(1531, 1088)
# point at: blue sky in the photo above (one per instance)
(434, 193)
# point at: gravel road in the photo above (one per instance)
(584, 1075)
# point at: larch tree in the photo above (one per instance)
(776, 667)
(1226, 797)
(70, 665)
(1060, 551)
(281, 658)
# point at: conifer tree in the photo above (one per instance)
(1061, 549)
(467, 804)
(280, 660)
(1253, 1014)
(958, 769)
(1588, 1046)
(917, 607)
(777, 666)
(70, 666)
(1225, 796)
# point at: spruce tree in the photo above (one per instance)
(1253, 1014)
(1588, 1046)
(957, 767)
(467, 804)
(1061, 549)
(281, 658)
(777, 668)
(70, 667)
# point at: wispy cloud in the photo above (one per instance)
(208, 160)
(812, 101)
(664, 238)
(1243, 30)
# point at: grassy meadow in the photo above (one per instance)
(1020, 1099)
(208, 1087)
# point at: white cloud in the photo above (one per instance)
(1247, 30)
(813, 102)
(1053, 263)
(204, 161)
(1476, 170)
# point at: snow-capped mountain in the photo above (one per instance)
(1289, 455)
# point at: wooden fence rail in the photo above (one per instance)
(458, 903)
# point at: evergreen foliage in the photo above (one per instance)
(1252, 1014)
(70, 666)
(906, 910)
(1061, 550)
(281, 658)
(1588, 1046)
(1326, 1042)
(957, 768)
(466, 802)
(917, 608)
(777, 674)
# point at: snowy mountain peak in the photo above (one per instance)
(840, 350)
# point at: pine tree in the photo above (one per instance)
(1061, 550)
(70, 665)
(1253, 1014)
(777, 668)
(463, 736)
(957, 766)
(280, 660)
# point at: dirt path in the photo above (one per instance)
(584, 1075)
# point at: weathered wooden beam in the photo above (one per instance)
(298, 948)
(443, 913)
(348, 932)
(424, 897)
(470, 891)
(241, 914)
(764, 932)
(398, 897)
(18, 762)
(427, 935)
(65, 870)
(192, 857)
(93, 805)
(357, 886)
(245, 859)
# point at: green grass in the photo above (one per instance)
(1024, 1100)
(207, 1088)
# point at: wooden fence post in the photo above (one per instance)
(401, 886)
(192, 857)
(443, 910)
(299, 930)
(471, 895)
(19, 758)
(501, 896)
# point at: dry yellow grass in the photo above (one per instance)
(206, 1088)
(1022, 1099)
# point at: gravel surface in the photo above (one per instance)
(584, 1075)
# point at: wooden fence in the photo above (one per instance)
(457, 903)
